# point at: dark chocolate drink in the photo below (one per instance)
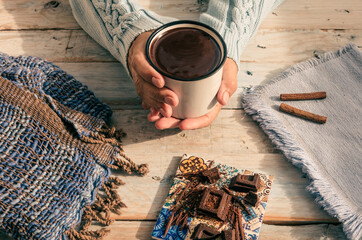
(185, 53)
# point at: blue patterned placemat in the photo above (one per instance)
(251, 223)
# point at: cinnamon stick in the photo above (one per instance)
(301, 113)
(170, 219)
(302, 96)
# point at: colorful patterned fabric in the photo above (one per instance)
(55, 151)
(251, 223)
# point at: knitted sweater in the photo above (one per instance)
(114, 24)
(55, 152)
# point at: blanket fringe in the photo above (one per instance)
(107, 200)
(86, 235)
(124, 163)
(106, 134)
(120, 160)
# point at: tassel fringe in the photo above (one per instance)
(108, 199)
(100, 211)
(86, 235)
(124, 163)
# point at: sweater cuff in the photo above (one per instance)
(117, 40)
(146, 21)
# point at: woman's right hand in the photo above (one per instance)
(150, 85)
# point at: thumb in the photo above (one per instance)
(229, 82)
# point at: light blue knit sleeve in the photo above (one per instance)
(237, 21)
(114, 24)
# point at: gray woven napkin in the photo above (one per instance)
(329, 153)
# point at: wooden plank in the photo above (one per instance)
(112, 85)
(268, 46)
(25, 14)
(291, 14)
(143, 230)
(307, 232)
(125, 230)
(232, 139)
(110, 82)
(306, 14)
(290, 47)
(231, 132)
(54, 45)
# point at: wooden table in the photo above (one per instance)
(297, 30)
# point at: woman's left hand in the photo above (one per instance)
(227, 88)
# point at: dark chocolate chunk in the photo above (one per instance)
(252, 199)
(211, 175)
(245, 183)
(215, 203)
(203, 232)
(228, 234)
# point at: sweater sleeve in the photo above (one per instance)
(114, 24)
(237, 21)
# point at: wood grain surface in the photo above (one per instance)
(295, 31)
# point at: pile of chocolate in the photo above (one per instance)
(200, 197)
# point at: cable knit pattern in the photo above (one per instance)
(116, 23)
(237, 21)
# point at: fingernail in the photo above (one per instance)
(226, 97)
(156, 82)
(170, 101)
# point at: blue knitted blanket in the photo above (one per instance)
(55, 153)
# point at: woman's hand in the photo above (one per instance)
(148, 82)
(227, 88)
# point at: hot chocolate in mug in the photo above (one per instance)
(190, 56)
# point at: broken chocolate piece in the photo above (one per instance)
(211, 175)
(236, 199)
(203, 232)
(228, 234)
(245, 183)
(215, 203)
(252, 199)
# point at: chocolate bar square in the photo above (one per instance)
(215, 203)
(211, 175)
(228, 234)
(252, 199)
(203, 232)
(245, 183)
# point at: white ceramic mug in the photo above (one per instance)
(196, 96)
